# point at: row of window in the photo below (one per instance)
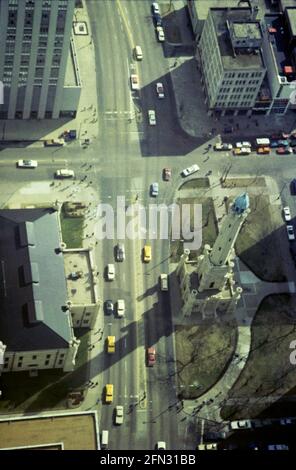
(243, 74)
(34, 357)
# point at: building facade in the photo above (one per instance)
(37, 59)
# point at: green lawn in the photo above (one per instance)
(72, 230)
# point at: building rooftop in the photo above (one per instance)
(278, 40)
(291, 15)
(239, 19)
(67, 431)
(80, 286)
(33, 290)
(72, 76)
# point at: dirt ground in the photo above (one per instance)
(268, 374)
(203, 353)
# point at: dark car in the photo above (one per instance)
(167, 174)
(228, 130)
(120, 252)
(108, 307)
(293, 187)
(293, 143)
(157, 19)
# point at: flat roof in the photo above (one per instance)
(247, 30)
(80, 290)
(278, 40)
(67, 431)
(202, 6)
(291, 14)
(229, 59)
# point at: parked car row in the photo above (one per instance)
(157, 19)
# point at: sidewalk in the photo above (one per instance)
(86, 119)
(190, 98)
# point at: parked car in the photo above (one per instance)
(284, 150)
(27, 164)
(243, 144)
(110, 272)
(190, 170)
(151, 117)
(108, 307)
(242, 151)
(287, 213)
(294, 150)
(54, 143)
(64, 173)
(147, 254)
(109, 393)
(286, 421)
(110, 344)
(119, 414)
(293, 187)
(241, 424)
(154, 191)
(208, 446)
(155, 8)
(220, 146)
(151, 357)
(293, 143)
(120, 252)
(277, 447)
(161, 445)
(160, 34)
(120, 307)
(157, 19)
(283, 143)
(164, 282)
(160, 90)
(263, 150)
(167, 174)
(290, 232)
(70, 134)
(135, 85)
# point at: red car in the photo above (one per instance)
(151, 357)
(167, 174)
(284, 150)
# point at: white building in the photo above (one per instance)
(37, 59)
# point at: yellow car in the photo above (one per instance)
(109, 393)
(111, 344)
(147, 253)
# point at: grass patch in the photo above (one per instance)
(259, 240)
(203, 353)
(268, 372)
(196, 184)
(243, 182)
(209, 227)
(72, 230)
(48, 390)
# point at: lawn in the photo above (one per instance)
(259, 243)
(196, 184)
(202, 353)
(268, 373)
(72, 230)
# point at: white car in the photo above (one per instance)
(152, 117)
(110, 272)
(209, 446)
(120, 307)
(161, 445)
(239, 145)
(135, 82)
(164, 283)
(223, 146)
(155, 8)
(154, 189)
(287, 213)
(160, 90)
(191, 169)
(160, 34)
(290, 231)
(64, 173)
(27, 164)
(242, 424)
(119, 414)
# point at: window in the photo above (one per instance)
(60, 362)
(48, 356)
(46, 363)
(19, 364)
(34, 358)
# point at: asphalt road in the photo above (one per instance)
(126, 158)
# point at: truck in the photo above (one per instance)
(70, 134)
(263, 142)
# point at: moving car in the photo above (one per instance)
(151, 117)
(109, 393)
(151, 357)
(190, 170)
(147, 253)
(111, 344)
(64, 173)
(243, 144)
(242, 424)
(160, 34)
(287, 213)
(120, 307)
(209, 446)
(119, 414)
(164, 282)
(160, 90)
(110, 272)
(138, 53)
(155, 7)
(154, 189)
(108, 307)
(220, 146)
(120, 252)
(27, 164)
(161, 445)
(277, 447)
(284, 150)
(104, 439)
(242, 151)
(263, 150)
(135, 85)
(290, 232)
(167, 174)
(54, 143)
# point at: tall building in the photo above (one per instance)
(38, 65)
(207, 284)
(231, 58)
